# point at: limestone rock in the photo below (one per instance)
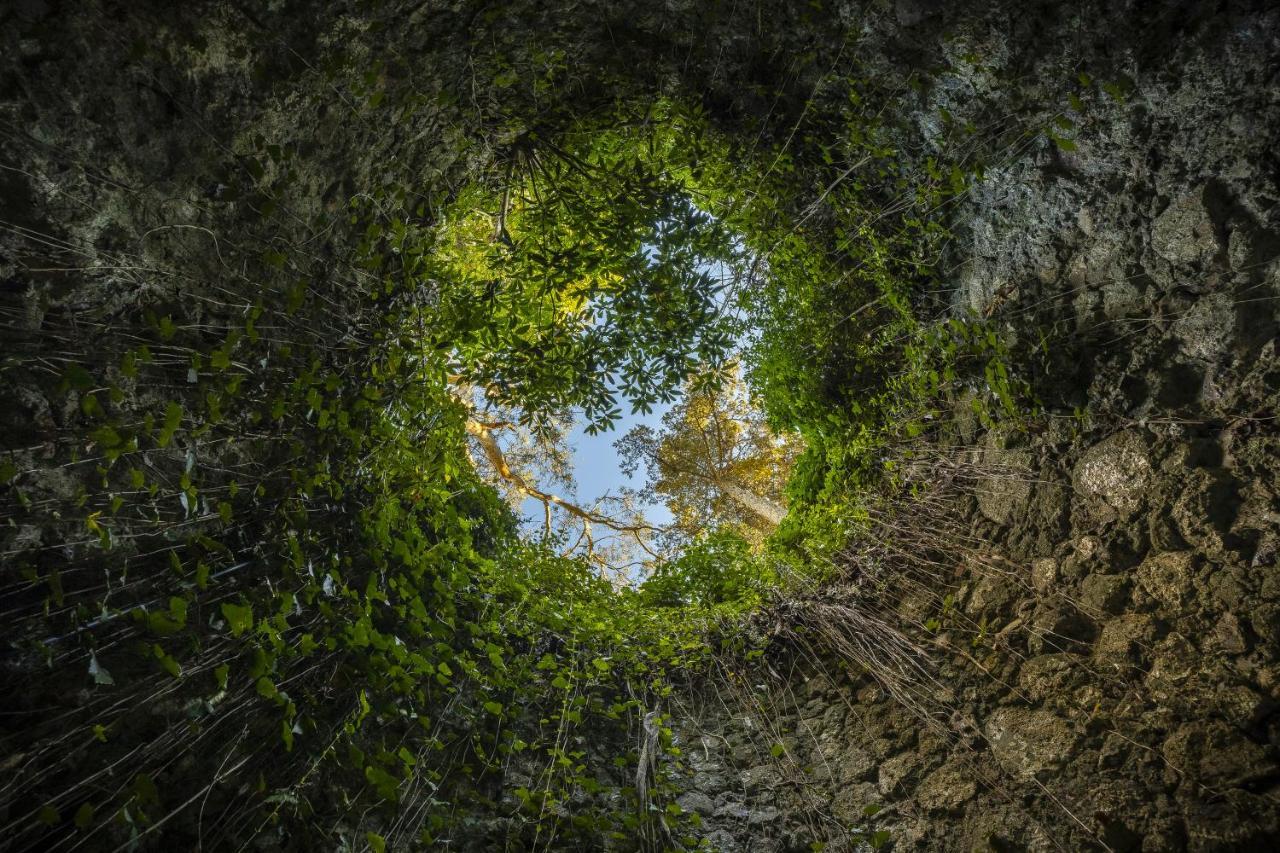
(1029, 743)
(1125, 639)
(946, 789)
(1168, 577)
(1044, 572)
(1106, 594)
(1045, 675)
(1213, 753)
(1116, 471)
(696, 802)
(896, 769)
(1007, 487)
(1184, 239)
(1206, 329)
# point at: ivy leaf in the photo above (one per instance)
(172, 420)
(494, 708)
(76, 378)
(376, 842)
(239, 617)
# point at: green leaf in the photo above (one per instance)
(178, 609)
(220, 674)
(494, 708)
(376, 842)
(167, 662)
(172, 419)
(776, 750)
(1062, 143)
(239, 617)
(76, 378)
(84, 816)
(106, 437)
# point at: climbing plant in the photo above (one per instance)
(267, 564)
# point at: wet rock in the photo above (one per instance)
(1030, 743)
(1115, 471)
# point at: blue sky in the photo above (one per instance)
(595, 466)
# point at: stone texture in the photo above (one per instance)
(1030, 743)
(1167, 577)
(1104, 594)
(1116, 470)
(946, 789)
(1216, 753)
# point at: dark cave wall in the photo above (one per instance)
(1123, 691)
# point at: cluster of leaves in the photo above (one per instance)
(583, 278)
(853, 349)
(291, 605)
(298, 610)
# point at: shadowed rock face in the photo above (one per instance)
(1130, 702)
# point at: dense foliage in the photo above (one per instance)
(293, 609)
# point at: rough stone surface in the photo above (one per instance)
(1029, 743)
(1115, 470)
(1129, 659)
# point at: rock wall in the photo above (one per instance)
(1106, 640)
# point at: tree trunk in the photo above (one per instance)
(768, 510)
